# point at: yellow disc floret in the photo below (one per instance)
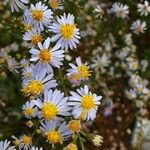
(37, 15)
(87, 102)
(49, 111)
(74, 125)
(54, 4)
(84, 71)
(26, 140)
(28, 111)
(27, 27)
(67, 31)
(33, 88)
(71, 146)
(53, 137)
(45, 55)
(36, 39)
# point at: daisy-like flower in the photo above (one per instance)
(38, 84)
(120, 10)
(29, 109)
(66, 32)
(56, 4)
(54, 105)
(100, 63)
(25, 142)
(78, 73)
(5, 145)
(16, 4)
(40, 15)
(13, 65)
(27, 72)
(138, 27)
(54, 132)
(144, 9)
(85, 104)
(46, 56)
(34, 36)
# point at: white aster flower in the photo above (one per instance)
(54, 132)
(33, 36)
(144, 9)
(38, 83)
(53, 106)
(29, 109)
(85, 104)
(16, 4)
(66, 32)
(25, 142)
(40, 15)
(55, 4)
(100, 62)
(79, 72)
(46, 56)
(13, 65)
(27, 72)
(5, 145)
(120, 10)
(138, 27)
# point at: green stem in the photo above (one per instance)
(81, 143)
(35, 129)
(61, 82)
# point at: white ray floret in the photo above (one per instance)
(84, 103)
(16, 4)
(66, 32)
(138, 27)
(38, 83)
(144, 9)
(54, 105)
(40, 15)
(29, 109)
(45, 56)
(5, 145)
(54, 132)
(120, 10)
(79, 72)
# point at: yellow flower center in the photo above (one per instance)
(87, 102)
(16, 142)
(37, 15)
(28, 111)
(54, 4)
(33, 88)
(67, 31)
(27, 27)
(74, 125)
(49, 111)
(36, 39)
(45, 55)
(71, 146)
(84, 71)
(53, 137)
(26, 140)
